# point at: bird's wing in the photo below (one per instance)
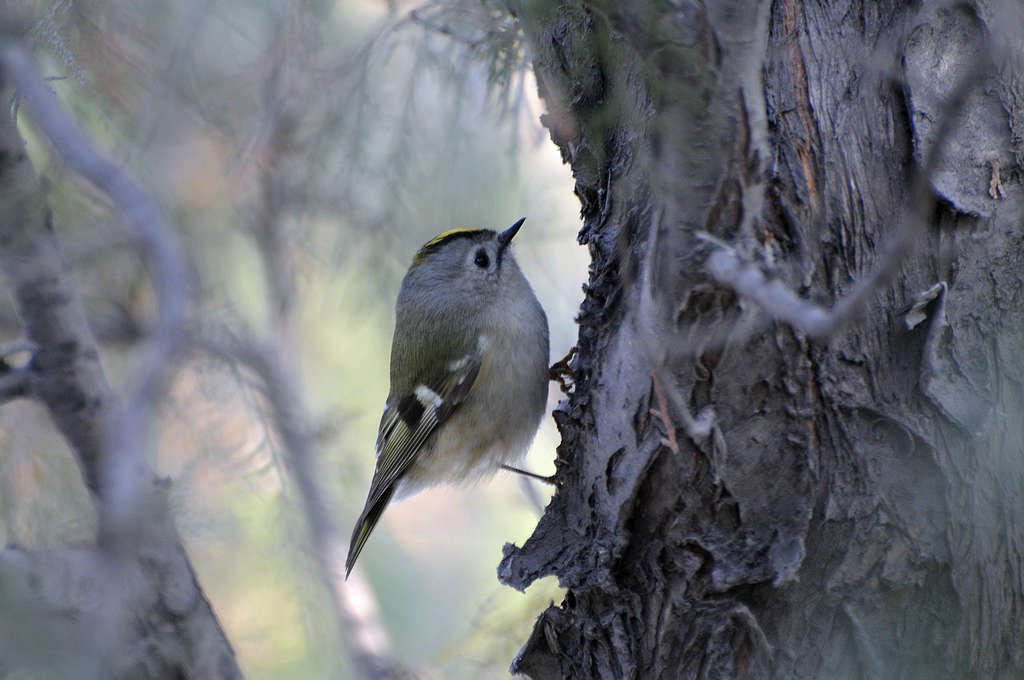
(407, 422)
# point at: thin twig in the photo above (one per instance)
(726, 267)
(366, 641)
(547, 479)
(271, 359)
(353, 605)
(446, 30)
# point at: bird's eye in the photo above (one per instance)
(481, 260)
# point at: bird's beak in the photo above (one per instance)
(505, 237)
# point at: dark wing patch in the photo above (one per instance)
(410, 410)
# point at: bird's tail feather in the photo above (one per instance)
(364, 527)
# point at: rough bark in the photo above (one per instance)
(738, 499)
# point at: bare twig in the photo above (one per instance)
(417, 17)
(50, 311)
(353, 605)
(124, 476)
(773, 295)
(364, 638)
(783, 304)
(698, 428)
(156, 235)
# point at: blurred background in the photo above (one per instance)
(305, 150)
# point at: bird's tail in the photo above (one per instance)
(364, 527)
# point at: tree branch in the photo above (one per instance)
(783, 304)
(151, 614)
(69, 378)
(126, 477)
(353, 604)
(365, 639)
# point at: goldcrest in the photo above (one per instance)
(469, 371)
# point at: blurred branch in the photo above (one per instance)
(153, 616)
(69, 378)
(137, 209)
(773, 296)
(125, 477)
(726, 267)
(361, 634)
(117, 325)
(57, 607)
(271, 360)
(275, 255)
(416, 16)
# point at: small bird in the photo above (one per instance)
(469, 371)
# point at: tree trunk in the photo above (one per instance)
(746, 496)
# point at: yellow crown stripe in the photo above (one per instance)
(445, 236)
